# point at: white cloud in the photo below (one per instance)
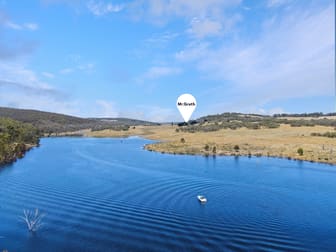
(15, 72)
(48, 75)
(31, 26)
(13, 26)
(185, 8)
(162, 38)
(106, 109)
(88, 67)
(293, 57)
(100, 8)
(159, 114)
(277, 3)
(77, 64)
(25, 26)
(19, 99)
(275, 110)
(152, 113)
(157, 72)
(74, 58)
(202, 28)
(20, 87)
(259, 109)
(83, 67)
(203, 18)
(193, 52)
(67, 70)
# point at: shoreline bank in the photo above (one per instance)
(149, 147)
(283, 142)
(18, 152)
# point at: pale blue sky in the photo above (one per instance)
(134, 58)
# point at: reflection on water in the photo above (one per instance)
(111, 195)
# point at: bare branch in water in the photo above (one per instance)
(33, 219)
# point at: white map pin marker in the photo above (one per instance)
(186, 104)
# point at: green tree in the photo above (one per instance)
(300, 151)
(214, 149)
(14, 136)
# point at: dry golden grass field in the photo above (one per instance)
(279, 142)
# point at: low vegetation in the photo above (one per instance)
(252, 121)
(326, 134)
(300, 151)
(315, 114)
(214, 150)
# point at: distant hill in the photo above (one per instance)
(315, 114)
(53, 122)
(48, 122)
(125, 121)
(255, 121)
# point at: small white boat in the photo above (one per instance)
(201, 198)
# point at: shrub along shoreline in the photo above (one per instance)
(16, 138)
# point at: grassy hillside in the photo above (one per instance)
(284, 141)
(45, 121)
(254, 121)
(305, 137)
(15, 139)
(48, 122)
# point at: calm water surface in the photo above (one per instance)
(111, 195)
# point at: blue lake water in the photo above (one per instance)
(111, 195)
